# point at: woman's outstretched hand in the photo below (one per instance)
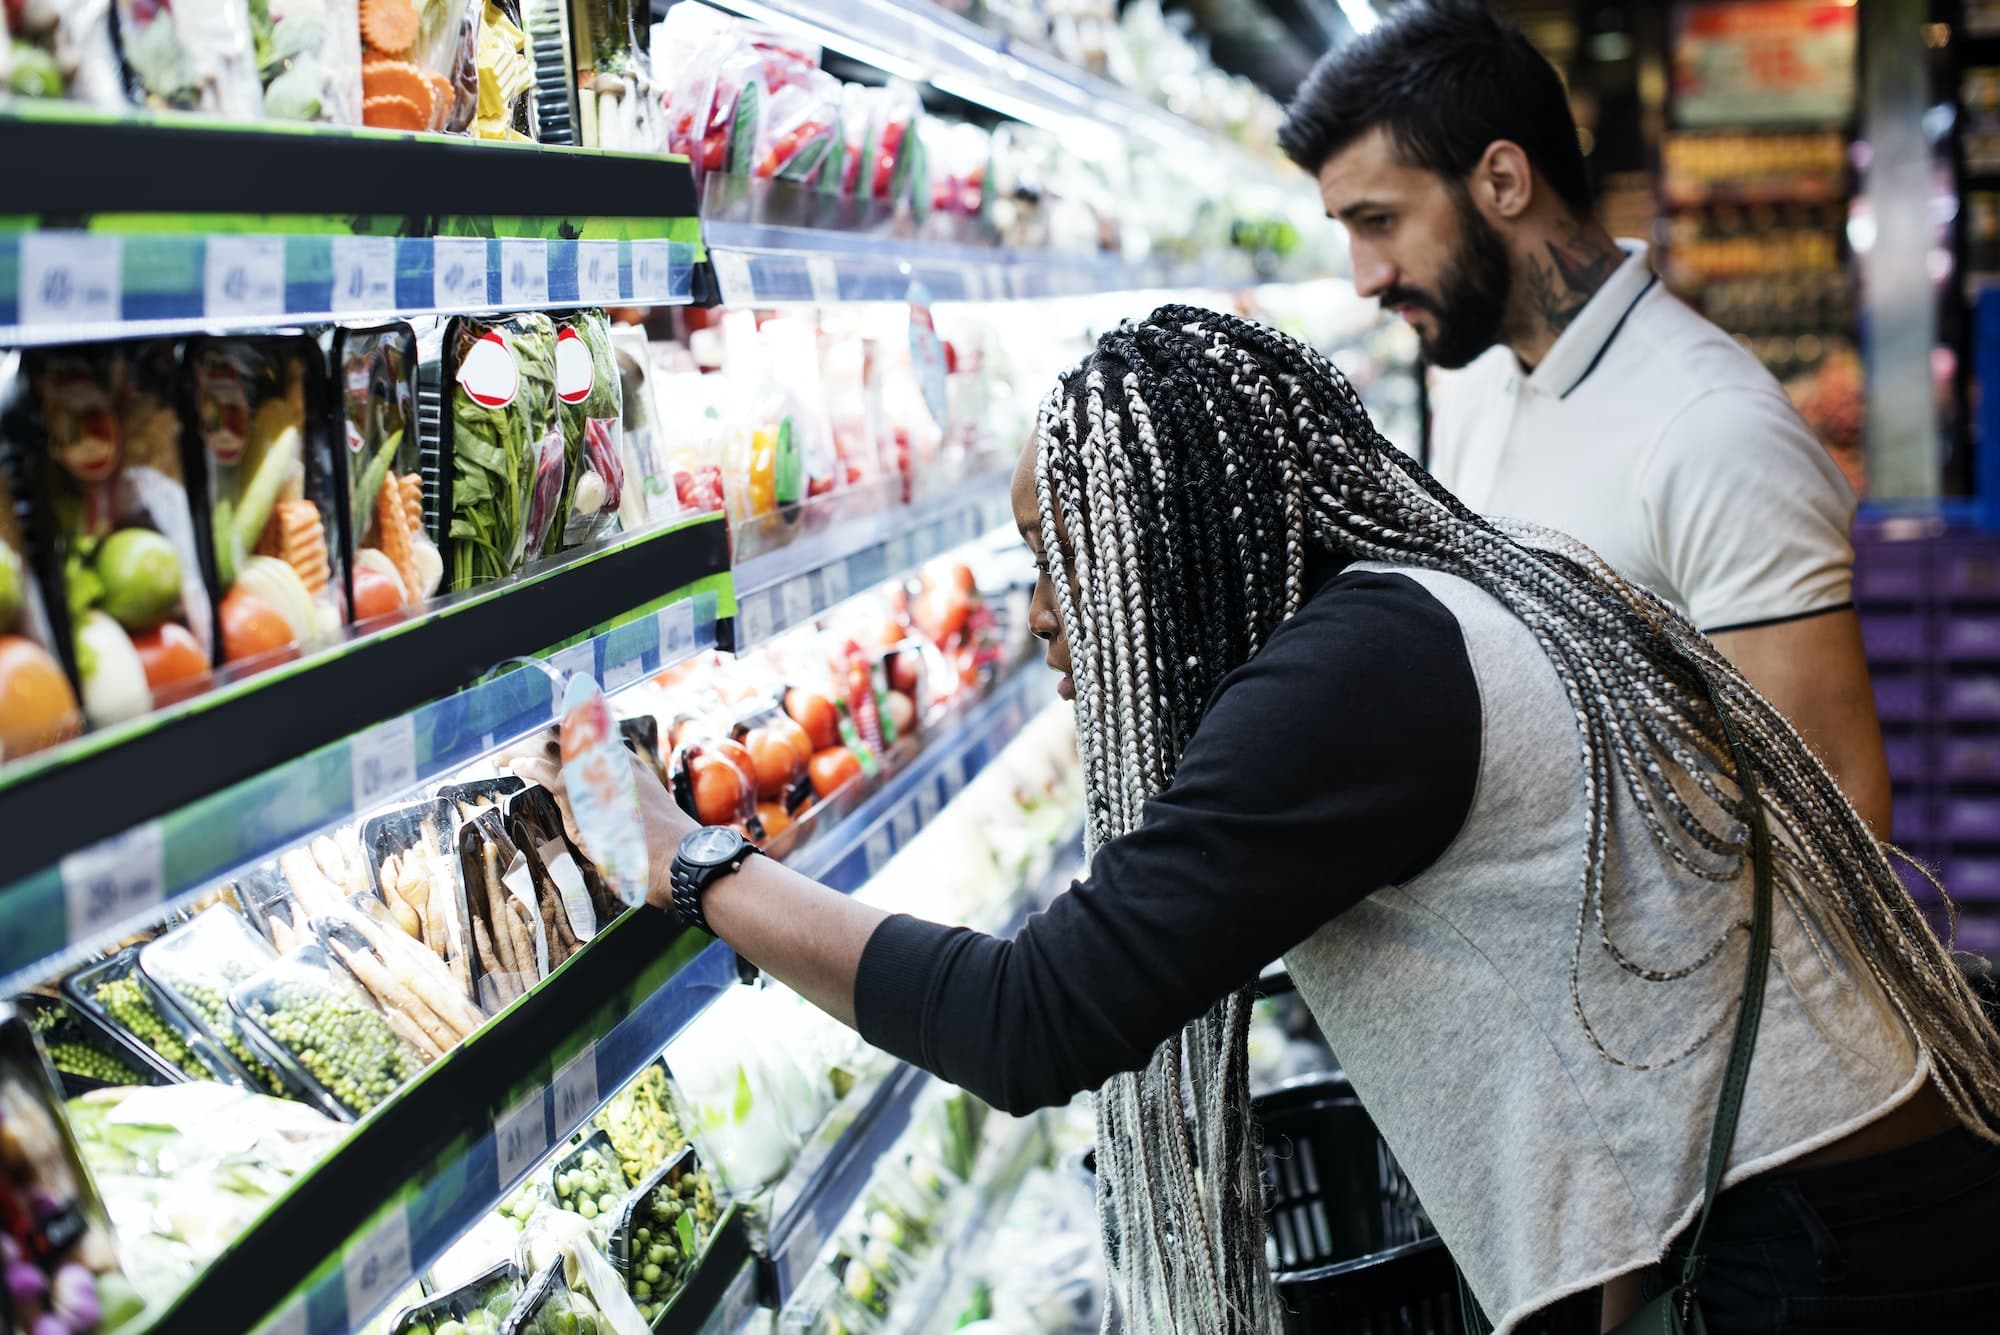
(539, 760)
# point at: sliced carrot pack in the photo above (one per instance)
(389, 25)
(389, 111)
(397, 78)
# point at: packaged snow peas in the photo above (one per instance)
(590, 404)
(419, 63)
(195, 966)
(308, 59)
(503, 445)
(261, 446)
(128, 605)
(396, 565)
(317, 1025)
(60, 51)
(195, 55)
(38, 706)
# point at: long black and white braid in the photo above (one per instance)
(1192, 464)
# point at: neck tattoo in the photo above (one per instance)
(1562, 284)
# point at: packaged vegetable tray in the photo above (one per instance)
(84, 1057)
(396, 566)
(198, 55)
(116, 997)
(194, 966)
(590, 404)
(315, 1023)
(573, 899)
(550, 1306)
(423, 999)
(60, 51)
(127, 603)
(308, 60)
(588, 1182)
(661, 1233)
(643, 1122)
(259, 442)
(510, 945)
(408, 850)
(419, 64)
(502, 444)
(475, 1308)
(469, 798)
(38, 706)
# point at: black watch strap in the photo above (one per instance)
(690, 882)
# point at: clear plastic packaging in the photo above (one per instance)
(587, 1181)
(396, 565)
(647, 489)
(83, 1056)
(662, 1231)
(510, 945)
(196, 55)
(53, 50)
(422, 998)
(798, 137)
(308, 59)
(38, 706)
(643, 1122)
(409, 854)
(482, 1303)
(504, 446)
(315, 1023)
(419, 68)
(574, 901)
(505, 106)
(590, 403)
(549, 1306)
(117, 998)
(194, 966)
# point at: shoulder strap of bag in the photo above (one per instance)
(1756, 968)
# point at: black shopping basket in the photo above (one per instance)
(1353, 1253)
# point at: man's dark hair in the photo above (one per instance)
(1445, 78)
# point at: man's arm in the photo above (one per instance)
(1813, 670)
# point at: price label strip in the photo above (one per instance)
(927, 803)
(732, 277)
(878, 850)
(524, 272)
(579, 660)
(753, 617)
(520, 1137)
(458, 273)
(382, 762)
(652, 271)
(113, 881)
(364, 273)
(377, 1266)
(824, 278)
(574, 1091)
(597, 272)
(833, 582)
(676, 632)
(796, 596)
(243, 276)
(904, 819)
(71, 278)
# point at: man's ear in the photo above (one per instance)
(1502, 182)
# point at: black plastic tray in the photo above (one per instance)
(80, 990)
(457, 1304)
(55, 1020)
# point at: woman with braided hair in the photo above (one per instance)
(1497, 810)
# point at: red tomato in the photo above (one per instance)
(902, 712)
(774, 818)
(816, 714)
(832, 768)
(961, 575)
(778, 766)
(375, 594)
(941, 612)
(252, 628)
(175, 665)
(794, 736)
(721, 794)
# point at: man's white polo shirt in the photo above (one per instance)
(1655, 439)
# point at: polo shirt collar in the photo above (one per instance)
(1577, 351)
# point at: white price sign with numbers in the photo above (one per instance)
(377, 1266)
(579, 660)
(458, 273)
(833, 582)
(113, 880)
(732, 276)
(753, 617)
(652, 270)
(676, 631)
(524, 273)
(575, 1090)
(796, 597)
(597, 272)
(520, 1136)
(622, 674)
(364, 273)
(71, 278)
(824, 277)
(244, 275)
(383, 762)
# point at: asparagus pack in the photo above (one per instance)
(510, 945)
(408, 850)
(572, 898)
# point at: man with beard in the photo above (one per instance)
(1592, 401)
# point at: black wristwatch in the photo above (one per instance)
(703, 858)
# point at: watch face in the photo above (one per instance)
(711, 846)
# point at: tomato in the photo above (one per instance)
(175, 665)
(252, 628)
(37, 706)
(774, 818)
(719, 791)
(941, 612)
(816, 714)
(736, 754)
(794, 736)
(778, 765)
(961, 575)
(832, 768)
(375, 594)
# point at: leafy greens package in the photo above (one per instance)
(590, 402)
(190, 55)
(504, 444)
(56, 50)
(396, 565)
(308, 59)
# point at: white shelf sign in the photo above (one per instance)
(652, 270)
(878, 850)
(753, 618)
(579, 660)
(524, 273)
(71, 278)
(797, 600)
(597, 272)
(458, 273)
(113, 880)
(244, 276)
(383, 762)
(676, 631)
(364, 273)
(824, 277)
(732, 277)
(575, 1090)
(377, 1267)
(520, 1136)
(833, 582)
(622, 674)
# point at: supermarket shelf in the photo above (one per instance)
(791, 585)
(329, 1253)
(992, 1189)
(173, 228)
(254, 766)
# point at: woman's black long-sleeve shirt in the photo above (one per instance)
(1340, 759)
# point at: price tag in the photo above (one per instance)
(575, 1090)
(896, 553)
(622, 674)
(833, 583)
(524, 273)
(108, 883)
(878, 850)
(927, 804)
(796, 597)
(676, 631)
(824, 277)
(244, 275)
(71, 278)
(904, 818)
(377, 1267)
(364, 273)
(383, 762)
(520, 1136)
(652, 271)
(579, 660)
(753, 618)
(597, 272)
(732, 277)
(458, 273)
(289, 1319)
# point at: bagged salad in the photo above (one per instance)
(590, 404)
(50, 49)
(396, 564)
(419, 63)
(308, 59)
(190, 55)
(127, 599)
(261, 448)
(504, 445)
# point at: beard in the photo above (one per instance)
(1470, 306)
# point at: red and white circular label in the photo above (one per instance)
(575, 372)
(489, 373)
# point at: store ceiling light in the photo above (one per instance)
(1361, 16)
(848, 44)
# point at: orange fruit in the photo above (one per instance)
(832, 768)
(175, 665)
(37, 706)
(252, 628)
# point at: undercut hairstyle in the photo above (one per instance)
(1186, 472)
(1445, 78)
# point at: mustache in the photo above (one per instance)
(1406, 296)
